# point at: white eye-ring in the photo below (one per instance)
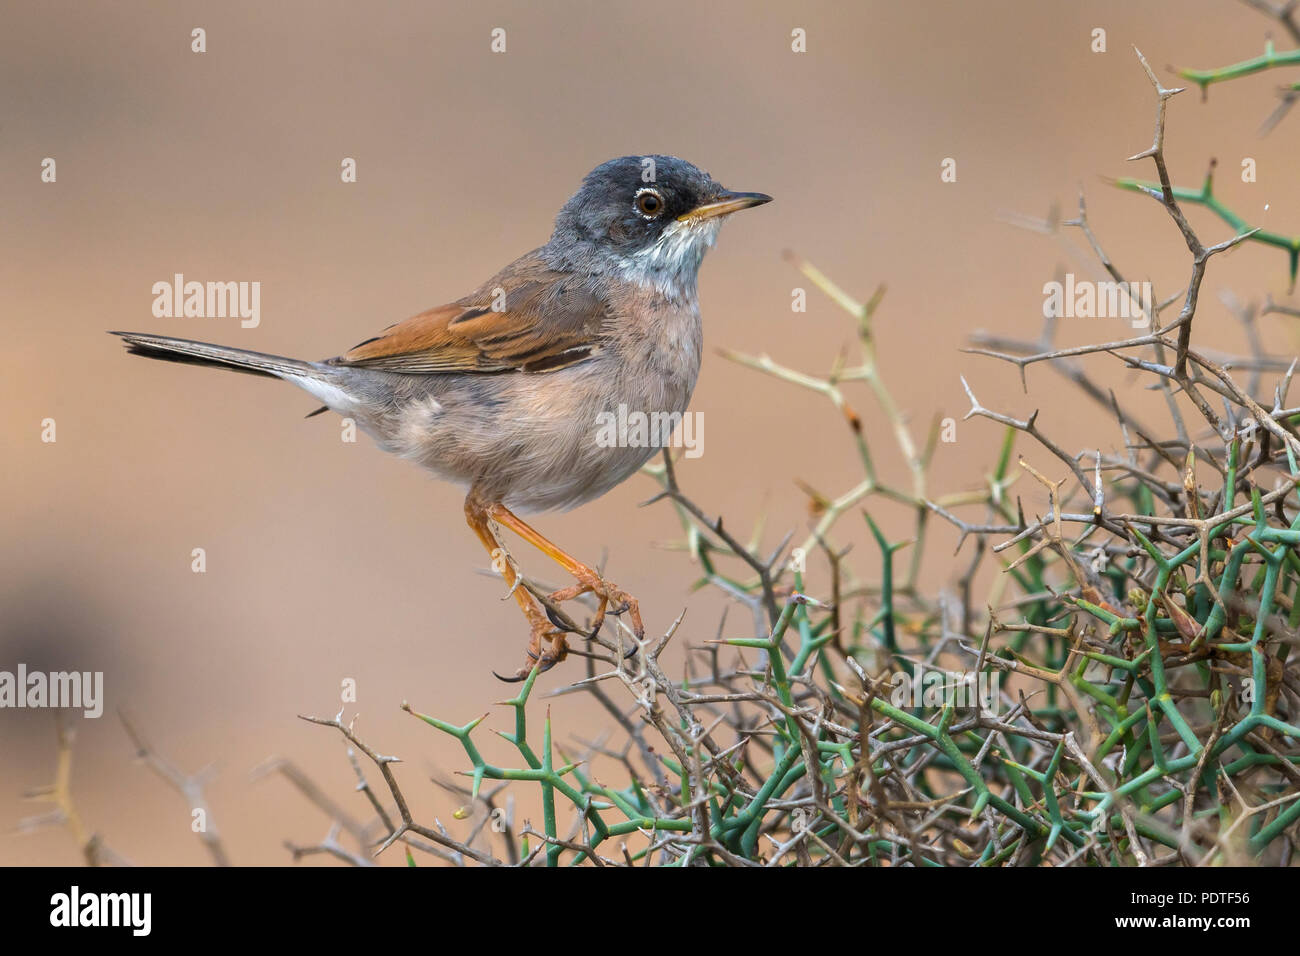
(648, 202)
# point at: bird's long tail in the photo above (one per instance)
(203, 353)
(315, 379)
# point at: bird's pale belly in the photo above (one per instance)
(556, 449)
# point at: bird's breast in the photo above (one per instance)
(659, 340)
(556, 439)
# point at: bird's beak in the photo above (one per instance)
(725, 204)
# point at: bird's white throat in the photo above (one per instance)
(671, 266)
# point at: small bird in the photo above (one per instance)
(502, 391)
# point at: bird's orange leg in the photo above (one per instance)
(546, 643)
(611, 597)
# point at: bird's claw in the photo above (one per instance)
(613, 600)
(555, 619)
(556, 652)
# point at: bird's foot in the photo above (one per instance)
(547, 646)
(613, 600)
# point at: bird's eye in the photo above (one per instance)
(649, 203)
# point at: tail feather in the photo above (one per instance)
(203, 353)
(324, 383)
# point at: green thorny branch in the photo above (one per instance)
(1205, 197)
(1268, 60)
(1284, 13)
(1153, 694)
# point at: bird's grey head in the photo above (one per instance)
(649, 219)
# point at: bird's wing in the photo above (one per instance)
(527, 319)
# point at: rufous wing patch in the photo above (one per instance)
(549, 321)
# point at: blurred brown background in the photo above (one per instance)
(328, 560)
